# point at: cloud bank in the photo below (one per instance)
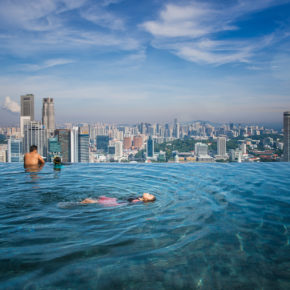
(11, 105)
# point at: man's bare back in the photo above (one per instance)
(33, 159)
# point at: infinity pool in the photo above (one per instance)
(213, 226)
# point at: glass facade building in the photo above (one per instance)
(102, 142)
(63, 136)
(15, 150)
(84, 140)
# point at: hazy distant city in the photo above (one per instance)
(197, 141)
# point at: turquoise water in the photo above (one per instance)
(213, 226)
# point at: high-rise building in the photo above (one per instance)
(102, 142)
(286, 150)
(35, 134)
(243, 148)
(167, 132)
(15, 150)
(176, 129)
(27, 106)
(221, 146)
(54, 148)
(48, 115)
(150, 147)
(63, 136)
(26, 111)
(84, 145)
(138, 142)
(127, 143)
(74, 145)
(118, 149)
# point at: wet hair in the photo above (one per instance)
(33, 147)
(57, 160)
(151, 200)
(130, 199)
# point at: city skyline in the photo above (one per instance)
(118, 61)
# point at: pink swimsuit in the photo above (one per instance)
(108, 201)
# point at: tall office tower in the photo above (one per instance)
(138, 142)
(63, 136)
(221, 146)
(27, 106)
(127, 143)
(27, 111)
(35, 134)
(150, 147)
(102, 142)
(15, 150)
(74, 145)
(48, 115)
(243, 148)
(54, 148)
(167, 132)
(176, 129)
(158, 129)
(286, 151)
(84, 145)
(118, 149)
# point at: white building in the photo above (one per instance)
(48, 115)
(35, 134)
(118, 149)
(222, 146)
(201, 151)
(74, 145)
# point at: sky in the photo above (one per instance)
(127, 61)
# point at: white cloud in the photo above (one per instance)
(11, 105)
(101, 17)
(47, 64)
(190, 31)
(42, 25)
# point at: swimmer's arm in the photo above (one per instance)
(89, 200)
(40, 160)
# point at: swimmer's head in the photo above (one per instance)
(33, 148)
(57, 160)
(147, 197)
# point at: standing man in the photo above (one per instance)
(33, 159)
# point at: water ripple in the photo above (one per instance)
(212, 225)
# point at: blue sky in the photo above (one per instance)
(129, 61)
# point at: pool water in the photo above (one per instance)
(213, 226)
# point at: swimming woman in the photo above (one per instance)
(57, 165)
(112, 201)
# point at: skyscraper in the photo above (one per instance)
(48, 115)
(221, 146)
(15, 150)
(27, 106)
(127, 142)
(84, 141)
(74, 145)
(102, 142)
(35, 134)
(286, 152)
(118, 149)
(150, 147)
(64, 140)
(27, 111)
(176, 129)
(54, 148)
